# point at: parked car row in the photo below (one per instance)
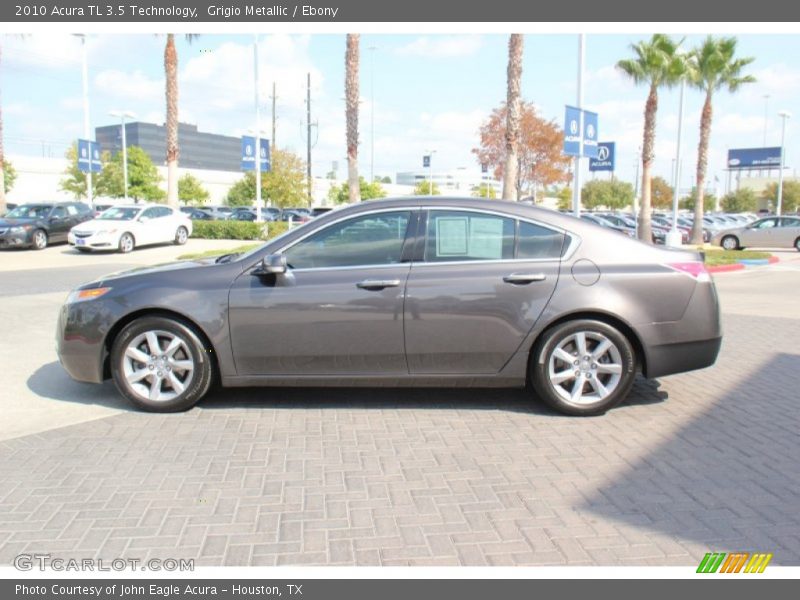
(243, 213)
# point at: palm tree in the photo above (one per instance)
(712, 67)
(351, 112)
(657, 63)
(171, 75)
(514, 75)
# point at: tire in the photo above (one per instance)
(797, 244)
(175, 380)
(126, 243)
(553, 377)
(730, 242)
(39, 239)
(181, 236)
(83, 250)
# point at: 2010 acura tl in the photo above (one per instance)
(414, 291)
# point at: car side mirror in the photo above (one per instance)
(272, 264)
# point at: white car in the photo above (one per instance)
(128, 226)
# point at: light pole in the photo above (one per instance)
(430, 171)
(766, 117)
(86, 127)
(673, 237)
(258, 130)
(121, 114)
(372, 113)
(576, 182)
(784, 115)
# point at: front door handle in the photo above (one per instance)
(377, 284)
(524, 278)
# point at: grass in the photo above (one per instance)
(214, 253)
(715, 258)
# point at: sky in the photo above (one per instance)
(424, 92)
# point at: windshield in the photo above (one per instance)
(38, 211)
(119, 213)
(250, 253)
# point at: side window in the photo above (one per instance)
(461, 236)
(374, 239)
(790, 222)
(162, 211)
(150, 213)
(539, 242)
(59, 212)
(766, 224)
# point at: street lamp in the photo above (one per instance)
(784, 115)
(674, 237)
(86, 127)
(372, 113)
(430, 171)
(121, 114)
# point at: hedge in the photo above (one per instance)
(236, 230)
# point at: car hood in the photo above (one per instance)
(101, 225)
(181, 265)
(16, 222)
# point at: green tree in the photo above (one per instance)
(284, 185)
(74, 180)
(790, 196)
(480, 191)
(426, 188)
(608, 193)
(661, 193)
(190, 190)
(339, 194)
(742, 200)
(9, 176)
(564, 196)
(656, 63)
(386, 179)
(712, 67)
(143, 177)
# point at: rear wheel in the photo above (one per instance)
(730, 242)
(583, 367)
(181, 236)
(126, 243)
(797, 244)
(160, 365)
(39, 239)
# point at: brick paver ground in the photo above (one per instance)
(692, 463)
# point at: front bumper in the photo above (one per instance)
(80, 336)
(15, 240)
(99, 241)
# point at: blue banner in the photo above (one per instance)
(606, 155)
(426, 161)
(572, 131)
(589, 134)
(248, 154)
(754, 158)
(89, 156)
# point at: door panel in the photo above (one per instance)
(319, 322)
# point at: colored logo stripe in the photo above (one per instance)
(734, 562)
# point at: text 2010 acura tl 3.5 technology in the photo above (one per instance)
(414, 291)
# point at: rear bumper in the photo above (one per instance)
(681, 357)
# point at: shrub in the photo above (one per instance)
(237, 230)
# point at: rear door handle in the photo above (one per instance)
(524, 278)
(377, 284)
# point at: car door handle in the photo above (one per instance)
(377, 284)
(524, 278)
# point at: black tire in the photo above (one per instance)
(126, 243)
(194, 350)
(547, 345)
(39, 239)
(84, 250)
(181, 236)
(732, 243)
(797, 244)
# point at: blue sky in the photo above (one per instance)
(430, 91)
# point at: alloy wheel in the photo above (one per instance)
(158, 365)
(585, 368)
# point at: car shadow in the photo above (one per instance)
(51, 381)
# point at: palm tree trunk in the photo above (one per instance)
(351, 101)
(648, 153)
(171, 72)
(2, 160)
(514, 75)
(702, 163)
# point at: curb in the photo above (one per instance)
(742, 263)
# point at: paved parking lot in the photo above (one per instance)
(691, 463)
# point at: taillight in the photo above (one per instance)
(696, 269)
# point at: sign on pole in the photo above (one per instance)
(426, 161)
(248, 154)
(754, 158)
(589, 134)
(89, 156)
(606, 157)
(572, 131)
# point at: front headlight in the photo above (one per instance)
(17, 229)
(84, 295)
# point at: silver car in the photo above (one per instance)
(405, 292)
(772, 232)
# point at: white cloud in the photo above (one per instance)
(136, 87)
(442, 46)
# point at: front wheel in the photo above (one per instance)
(126, 243)
(39, 240)
(181, 236)
(730, 242)
(583, 367)
(797, 244)
(160, 365)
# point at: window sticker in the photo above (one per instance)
(451, 236)
(486, 237)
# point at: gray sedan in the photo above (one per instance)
(772, 232)
(404, 292)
